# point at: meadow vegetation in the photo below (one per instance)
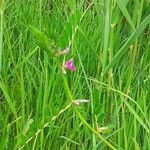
(104, 103)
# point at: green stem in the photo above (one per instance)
(70, 98)
(92, 130)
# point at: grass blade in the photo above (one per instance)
(122, 7)
(127, 44)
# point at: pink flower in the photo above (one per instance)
(69, 65)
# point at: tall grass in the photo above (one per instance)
(110, 45)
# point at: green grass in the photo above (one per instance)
(110, 45)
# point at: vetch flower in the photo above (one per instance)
(69, 65)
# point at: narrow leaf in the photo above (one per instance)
(127, 44)
(122, 7)
(46, 44)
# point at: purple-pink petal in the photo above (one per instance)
(72, 68)
(69, 65)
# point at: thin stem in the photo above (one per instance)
(69, 96)
(1, 31)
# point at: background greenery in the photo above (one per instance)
(110, 44)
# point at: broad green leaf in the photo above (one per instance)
(106, 32)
